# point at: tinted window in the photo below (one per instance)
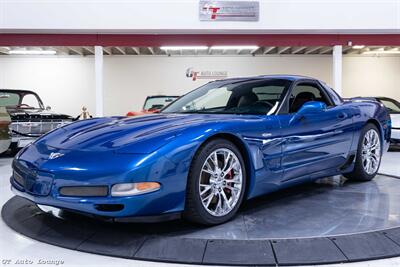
(392, 105)
(304, 93)
(243, 97)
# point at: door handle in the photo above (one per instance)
(342, 116)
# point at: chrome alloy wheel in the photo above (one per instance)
(371, 151)
(221, 180)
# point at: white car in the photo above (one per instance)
(394, 109)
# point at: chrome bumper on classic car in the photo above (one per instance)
(25, 132)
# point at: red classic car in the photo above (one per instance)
(153, 104)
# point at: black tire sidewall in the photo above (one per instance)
(203, 216)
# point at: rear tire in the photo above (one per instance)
(215, 190)
(369, 154)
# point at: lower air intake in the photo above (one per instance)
(84, 191)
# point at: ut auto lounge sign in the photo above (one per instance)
(205, 74)
(229, 10)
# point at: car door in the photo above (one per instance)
(315, 144)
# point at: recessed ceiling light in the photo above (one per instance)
(32, 52)
(381, 52)
(234, 47)
(199, 47)
(358, 46)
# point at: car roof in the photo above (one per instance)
(17, 91)
(155, 96)
(274, 76)
(385, 98)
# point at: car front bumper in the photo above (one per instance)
(43, 186)
(87, 208)
(133, 208)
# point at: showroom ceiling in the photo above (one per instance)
(200, 50)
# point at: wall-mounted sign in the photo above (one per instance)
(205, 74)
(229, 10)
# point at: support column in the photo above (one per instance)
(337, 68)
(98, 66)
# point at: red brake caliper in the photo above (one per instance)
(228, 176)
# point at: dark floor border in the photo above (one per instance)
(390, 175)
(27, 219)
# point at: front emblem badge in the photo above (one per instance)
(54, 155)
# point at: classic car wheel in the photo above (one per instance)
(216, 184)
(369, 154)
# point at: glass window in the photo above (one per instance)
(213, 98)
(9, 99)
(30, 101)
(304, 93)
(392, 105)
(233, 97)
(158, 102)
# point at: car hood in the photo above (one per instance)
(142, 134)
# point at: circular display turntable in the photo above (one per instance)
(325, 222)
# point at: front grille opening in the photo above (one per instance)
(84, 191)
(36, 126)
(109, 207)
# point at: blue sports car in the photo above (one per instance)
(206, 152)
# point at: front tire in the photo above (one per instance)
(216, 183)
(369, 154)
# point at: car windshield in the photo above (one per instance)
(256, 96)
(26, 100)
(392, 105)
(9, 99)
(158, 102)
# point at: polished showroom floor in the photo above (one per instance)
(374, 206)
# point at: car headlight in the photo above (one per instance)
(131, 189)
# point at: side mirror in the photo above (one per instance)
(48, 108)
(309, 108)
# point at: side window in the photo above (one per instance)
(30, 100)
(271, 93)
(303, 93)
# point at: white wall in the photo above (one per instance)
(64, 83)
(132, 16)
(371, 76)
(67, 83)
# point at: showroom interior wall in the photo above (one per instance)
(129, 79)
(64, 83)
(371, 75)
(133, 78)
